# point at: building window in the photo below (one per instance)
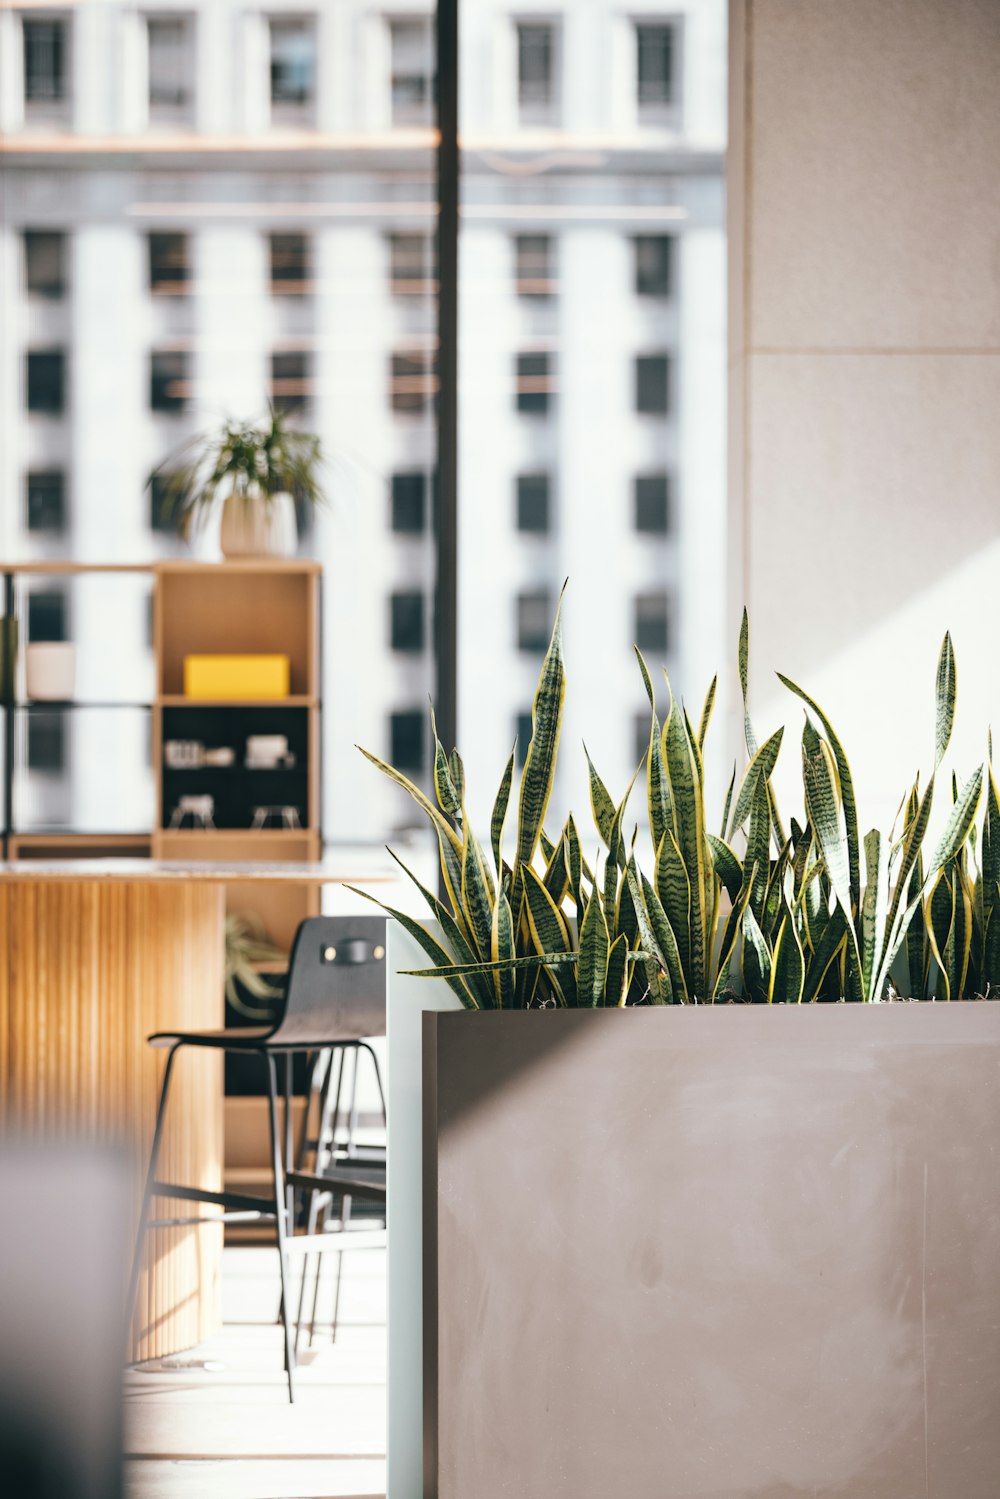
(534, 383)
(291, 269)
(534, 620)
(162, 510)
(652, 384)
(411, 45)
(654, 255)
(290, 384)
(169, 265)
(45, 262)
(652, 509)
(414, 382)
(522, 731)
(46, 381)
(536, 71)
(168, 380)
(533, 503)
(655, 57)
(45, 500)
(47, 616)
(411, 268)
(293, 63)
(46, 742)
(407, 621)
(408, 741)
(171, 64)
(534, 267)
(409, 503)
(651, 623)
(45, 69)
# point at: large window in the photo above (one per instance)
(249, 213)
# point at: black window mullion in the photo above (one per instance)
(446, 527)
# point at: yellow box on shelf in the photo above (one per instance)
(236, 677)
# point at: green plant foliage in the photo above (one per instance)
(748, 914)
(245, 459)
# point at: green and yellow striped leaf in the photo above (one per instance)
(761, 765)
(616, 990)
(846, 789)
(482, 992)
(500, 811)
(727, 865)
(946, 689)
(437, 817)
(444, 966)
(540, 765)
(595, 945)
(788, 968)
(502, 952)
(706, 713)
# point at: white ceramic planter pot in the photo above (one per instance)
(50, 671)
(258, 526)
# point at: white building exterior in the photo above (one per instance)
(584, 131)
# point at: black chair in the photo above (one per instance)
(334, 998)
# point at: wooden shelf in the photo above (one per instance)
(178, 700)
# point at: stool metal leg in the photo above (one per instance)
(281, 1225)
(147, 1194)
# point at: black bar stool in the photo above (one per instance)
(334, 998)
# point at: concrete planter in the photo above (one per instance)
(712, 1253)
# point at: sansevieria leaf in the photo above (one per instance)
(444, 966)
(436, 817)
(762, 764)
(540, 765)
(592, 972)
(846, 789)
(500, 812)
(946, 692)
(788, 969)
(502, 951)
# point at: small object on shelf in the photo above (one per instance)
(233, 678)
(50, 671)
(268, 752)
(285, 816)
(200, 809)
(184, 754)
(221, 757)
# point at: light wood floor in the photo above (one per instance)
(215, 1423)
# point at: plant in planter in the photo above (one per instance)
(247, 946)
(258, 471)
(800, 925)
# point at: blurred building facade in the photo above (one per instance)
(208, 206)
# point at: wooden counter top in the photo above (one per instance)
(163, 871)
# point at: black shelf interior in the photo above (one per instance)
(237, 789)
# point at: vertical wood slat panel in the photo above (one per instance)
(90, 968)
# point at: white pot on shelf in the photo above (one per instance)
(259, 526)
(50, 671)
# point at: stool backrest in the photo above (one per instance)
(336, 981)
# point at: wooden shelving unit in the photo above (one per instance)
(252, 607)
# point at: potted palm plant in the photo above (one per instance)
(258, 471)
(690, 1223)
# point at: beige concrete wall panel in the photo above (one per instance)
(873, 525)
(873, 178)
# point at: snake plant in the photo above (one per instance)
(750, 912)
